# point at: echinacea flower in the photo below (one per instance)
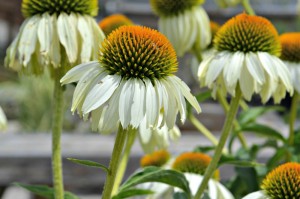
(112, 22)
(193, 165)
(227, 3)
(3, 120)
(184, 22)
(157, 158)
(290, 55)
(156, 137)
(132, 81)
(247, 49)
(282, 182)
(55, 33)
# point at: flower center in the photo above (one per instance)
(33, 7)
(192, 162)
(248, 34)
(290, 43)
(113, 22)
(157, 158)
(138, 52)
(173, 7)
(283, 182)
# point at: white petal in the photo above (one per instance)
(3, 120)
(77, 72)
(171, 113)
(66, 26)
(152, 104)
(138, 106)
(186, 92)
(255, 68)
(144, 132)
(111, 118)
(256, 195)
(203, 28)
(204, 65)
(232, 70)
(100, 93)
(86, 37)
(96, 114)
(283, 73)
(174, 92)
(55, 53)
(28, 40)
(224, 193)
(215, 67)
(246, 83)
(45, 32)
(125, 103)
(86, 82)
(267, 64)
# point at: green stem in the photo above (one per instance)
(123, 164)
(201, 128)
(114, 163)
(225, 106)
(56, 136)
(293, 116)
(248, 8)
(225, 133)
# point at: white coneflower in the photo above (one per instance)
(290, 43)
(193, 166)
(3, 120)
(247, 49)
(132, 81)
(55, 34)
(282, 182)
(184, 22)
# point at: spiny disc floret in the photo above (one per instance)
(283, 182)
(247, 33)
(290, 43)
(138, 52)
(173, 7)
(34, 7)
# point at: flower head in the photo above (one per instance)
(283, 182)
(112, 22)
(290, 43)
(58, 33)
(3, 120)
(184, 22)
(192, 162)
(157, 158)
(132, 82)
(246, 56)
(34, 7)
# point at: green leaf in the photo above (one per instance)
(180, 195)
(251, 114)
(263, 130)
(156, 174)
(243, 163)
(44, 191)
(132, 192)
(202, 96)
(204, 149)
(277, 157)
(89, 164)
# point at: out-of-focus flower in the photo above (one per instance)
(157, 137)
(157, 158)
(55, 34)
(227, 3)
(290, 55)
(282, 182)
(193, 165)
(3, 120)
(247, 49)
(112, 22)
(133, 82)
(184, 22)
